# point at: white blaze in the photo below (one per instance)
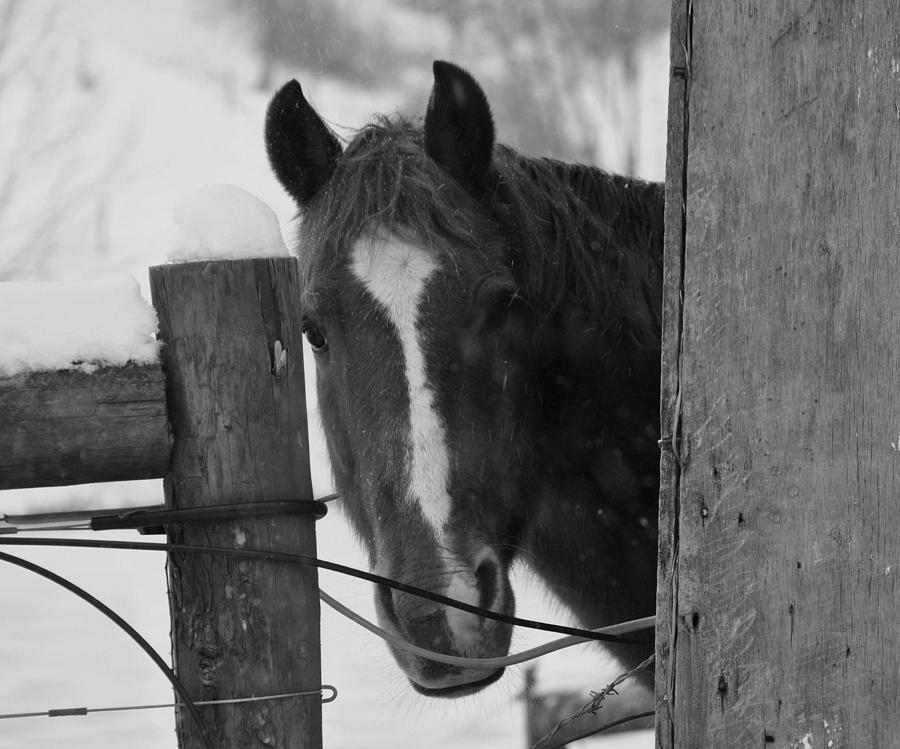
(395, 272)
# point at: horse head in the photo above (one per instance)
(486, 331)
(411, 310)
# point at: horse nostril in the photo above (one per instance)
(486, 575)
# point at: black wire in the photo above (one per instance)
(302, 559)
(125, 627)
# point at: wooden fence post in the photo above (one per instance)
(777, 585)
(670, 397)
(238, 412)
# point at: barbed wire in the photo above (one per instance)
(592, 706)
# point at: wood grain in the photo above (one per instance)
(75, 427)
(670, 393)
(784, 602)
(240, 628)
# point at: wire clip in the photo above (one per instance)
(154, 521)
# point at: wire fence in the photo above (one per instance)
(12, 526)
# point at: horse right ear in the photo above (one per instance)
(302, 150)
(459, 129)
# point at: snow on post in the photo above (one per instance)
(221, 222)
(83, 398)
(82, 394)
(232, 351)
(81, 325)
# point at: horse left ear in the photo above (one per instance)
(459, 129)
(302, 150)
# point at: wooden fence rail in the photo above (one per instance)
(76, 427)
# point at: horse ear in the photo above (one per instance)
(302, 150)
(459, 129)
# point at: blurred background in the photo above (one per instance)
(110, 112)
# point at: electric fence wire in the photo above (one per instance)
(613, 632)
(125, 627)
(485, 663)
(305, 560)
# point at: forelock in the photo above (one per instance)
(384, 182)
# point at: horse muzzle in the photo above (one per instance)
(447, 630)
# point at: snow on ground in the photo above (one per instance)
(58, 325)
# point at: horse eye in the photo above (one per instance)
(314, 336)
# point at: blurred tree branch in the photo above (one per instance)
(554, 61)
(327, 36)
(48, 106)
(560, 73)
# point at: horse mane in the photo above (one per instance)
(568, 231)
(584, 235)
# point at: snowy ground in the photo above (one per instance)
(175, 110)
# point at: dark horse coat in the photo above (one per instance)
(487, 334)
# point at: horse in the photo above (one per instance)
(486, 331)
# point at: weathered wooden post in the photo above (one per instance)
(778, 586)
(234, 367)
